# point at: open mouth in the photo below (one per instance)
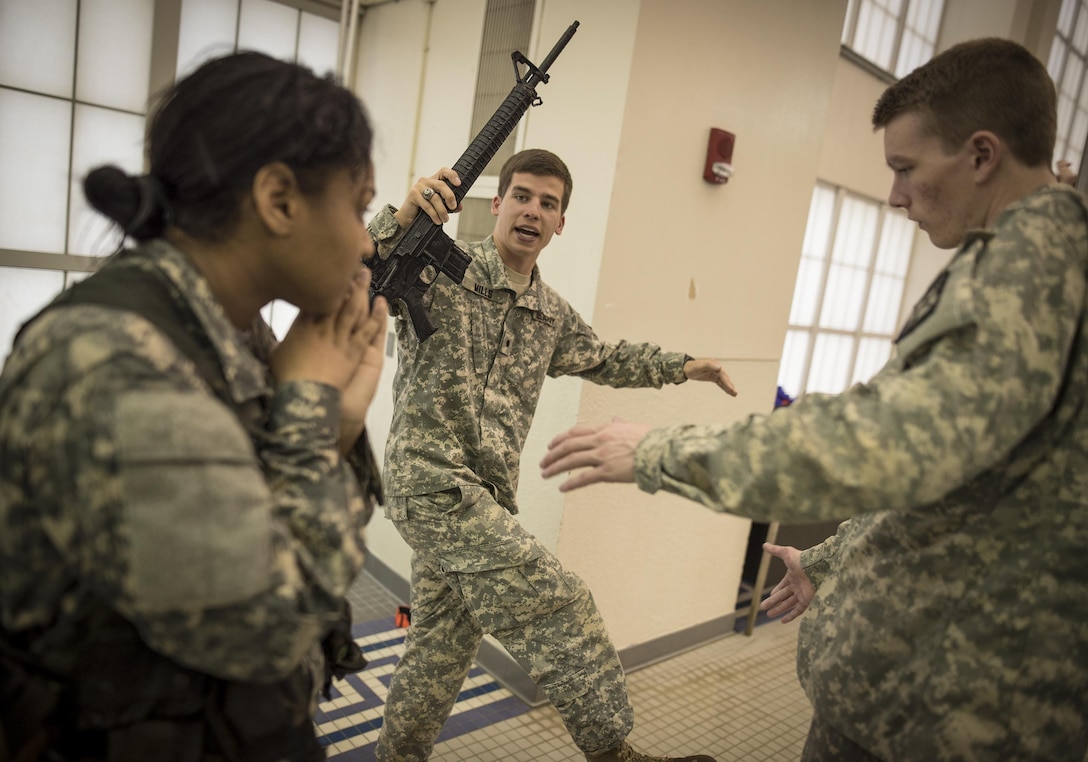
(527, 234)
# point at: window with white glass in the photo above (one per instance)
(848, 292)
(895, 35)
(1067, 64)
(74, 81)
(508, 26)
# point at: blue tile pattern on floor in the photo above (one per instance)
(349, 721)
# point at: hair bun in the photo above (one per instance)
(137, 204)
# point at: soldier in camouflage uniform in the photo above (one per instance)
(464, 399)
(950, 620)
(182, 501)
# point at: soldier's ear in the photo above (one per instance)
(276, 198)
(986, 151)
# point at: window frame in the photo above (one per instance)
(858, 334)
(849, 36)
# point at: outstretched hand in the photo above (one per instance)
(795, 592)
(433, 196)
(605, 453)
(709, 369)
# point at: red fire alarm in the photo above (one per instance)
(719, 157)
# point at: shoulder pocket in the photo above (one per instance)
(947, 306)
(196, 508)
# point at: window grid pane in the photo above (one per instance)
(855, 233)
(23, 291)
(35, 132)
(875, 35)
(829, 371)
(893, 31)
(810, 271)
(1066, 65)
(860, 297)
(113, 67)
(872, 356)
(896, 237)
(268, 27)
(791, 371)
(37, 45)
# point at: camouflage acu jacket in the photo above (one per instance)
(952, 623)
(124, 481)
(465, 397)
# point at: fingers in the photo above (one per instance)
(576, 431)
(371, 331)
(570, 450)
(782, 551)
(434, 196)
(572, 454)
(583, 478)
(355, 308)
(726, 383)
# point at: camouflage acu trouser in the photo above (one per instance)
(475, 570)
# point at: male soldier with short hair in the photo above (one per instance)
(464, 400)
(949, 618)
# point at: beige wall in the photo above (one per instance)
(629, 107)
(764, 71)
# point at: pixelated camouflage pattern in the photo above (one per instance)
(465, 397)
(125, 482)
(819, 560)
(477, 571)
(954, 623)
(464, 401)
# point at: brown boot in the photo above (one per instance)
(627, 753)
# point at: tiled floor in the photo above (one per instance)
(736, 698)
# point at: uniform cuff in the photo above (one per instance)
(648, 457)
(306, 411)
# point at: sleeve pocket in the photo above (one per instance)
(196, 509)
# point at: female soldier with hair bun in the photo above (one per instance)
(182, 501)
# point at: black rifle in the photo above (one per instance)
(403, 274)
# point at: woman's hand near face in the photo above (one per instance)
(341, 349)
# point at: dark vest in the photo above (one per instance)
(118, 700)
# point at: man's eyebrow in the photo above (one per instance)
(527, 191)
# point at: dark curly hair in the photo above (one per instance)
(213, 130)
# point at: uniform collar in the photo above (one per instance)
(246, 375)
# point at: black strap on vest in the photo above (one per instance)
(149, 295)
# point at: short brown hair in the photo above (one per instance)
(986, 84)
(537, 161)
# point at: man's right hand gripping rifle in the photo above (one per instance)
(424, 251)
(403, 274)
